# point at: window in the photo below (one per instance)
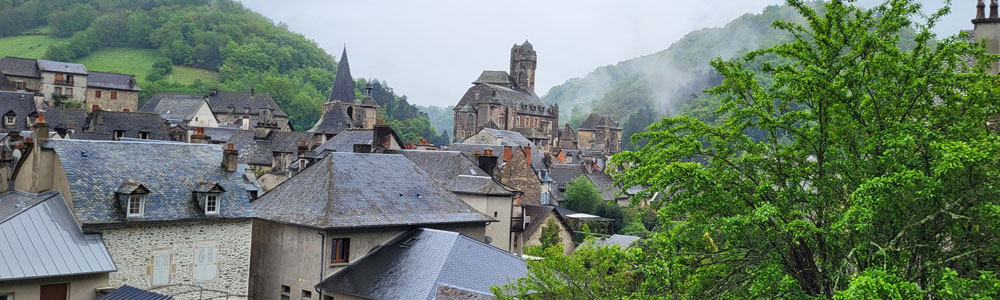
(307, 294)
(7, 297)
(212, 205)
(69, 79)
(136, 205)
(69, 92)
(253, 195)
(340, 250)
(286, 292)
(144, 135)
(114, 95)
(18, 85)
(161, 269)
(477, 95)
(517, 122)
(58, 91)
(503, 121)
(470, 120)
(97, 94)
(31, 121)
(59, 77)
(9, 119)
(119, 134)
(205, 263)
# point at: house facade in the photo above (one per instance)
(507, 100)
(63, 84)
(112, 91)
(600, 133)
(175, 217)
(22, 73)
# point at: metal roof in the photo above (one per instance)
(130, 293)
(417, 264)
(44, 240)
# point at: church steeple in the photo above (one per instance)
(343, 85)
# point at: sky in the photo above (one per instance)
(431, 51)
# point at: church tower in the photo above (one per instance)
(988, 28)
(522, 66)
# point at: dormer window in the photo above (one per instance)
(212, 204)
(136, 206)
(133, 199)
(144, 135)
(208, 196)
(119, 134)
(9, 119)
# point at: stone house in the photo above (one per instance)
(63, 81)
(538, 216)
(507, 100)
(175, 217)
(987, 27)
(130, 125)
(378, 140)
(245, 109)
(464, 177)
(601, 133)
(340, 209)
(272, 155)
(567, 138)
(519, 168)
(183, 109)
(18, 110)
(342, 111)
(45, 255)
(112, 91)
(490, 136)
(464, 268)
(22, 73)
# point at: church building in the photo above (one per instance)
(342, 110)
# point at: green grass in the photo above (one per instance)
(138, 62)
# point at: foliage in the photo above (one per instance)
(590, 273)
(636, 123)
(550, 235)
(582, 196)
(75, 18)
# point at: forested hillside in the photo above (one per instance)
(204, 43)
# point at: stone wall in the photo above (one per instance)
(30, 84)
(535, 239)
(132, 247)
(125, 100)
(518, 174)
(79, 88)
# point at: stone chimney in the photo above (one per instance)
(382, 136)
(488, 162)
(303, 147)
(980, 10)
(199, 137)
(527, 154)
(507, 152)
(40, 131)
(214, 92)
(993, 9)
(280, 162)
(230, 158)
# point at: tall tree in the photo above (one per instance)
(582, 196)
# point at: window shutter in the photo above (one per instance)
(205, 263)
(161, 269)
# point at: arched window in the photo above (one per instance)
(470, 121)
(350, 112)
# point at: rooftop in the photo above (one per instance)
(19, 105)
(112, 81)
(418, 264)
(343, 84)
(347, 190)
(61, 67)
(456, 172)
(261, 151)
(20, 67)
(182, 108)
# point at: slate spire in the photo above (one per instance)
(343, 85)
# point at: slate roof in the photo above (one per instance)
(5, 84)
(66, 118)
(21, 67)
(417, 264)
(261, 151)
(537, 215)
(563, 174)
(343, 84)
(91, 136)
(221, 101)
(537, 158)
(595, 121)
(456, 172)
(510, 137)
(623, 241)
(170, 171)
(107, 122)
(61, 67)
(567, 132)
(569, 214)
(21, 104)
(350, 190)
(531, 133)
(494, 77)
(181, 108)
(345, 140)
(42, 239)
(112, 81)
(333, 122)
(220, 134)
(505, 96)
(130, 293)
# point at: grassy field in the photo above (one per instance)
(118, 60)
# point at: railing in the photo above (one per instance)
(517, 224)
(64, 82)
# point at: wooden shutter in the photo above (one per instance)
(161, 269)
(54, 291)
(205, 263)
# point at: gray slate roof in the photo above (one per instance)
(456, 172)
(171, 171)
(509, 137)
(333, 122)
(261, 152)
(61, 67)
(107, 122)
(537, 215)
(595, 121)
(21, 105)
(239, 101)
(66, 118)
(43, 240)
(563, 174)
(417, 264)
(350, 190)
(220, 134)
(5, 85)
(345, 140)
(494, 77)
(623, 241)
(112, 81)
(537, 158)
(343, 84)
(130, 293)
(182, 108)
(21, 67)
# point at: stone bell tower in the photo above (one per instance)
(522, 66)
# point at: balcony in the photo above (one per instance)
(517, 224)
(64, 82)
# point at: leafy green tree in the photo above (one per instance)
(590, 273)
(178, 51)
(550, 235)
(582, 196)
(112, 29)
(636, 123)
(139, 26)
(78, 17)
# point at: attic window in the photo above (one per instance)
(119, 134)
(207, 194)
(212, 204)
(136, 206)
(9, 119)
(409, 242)
(144, 135)
(133, 198)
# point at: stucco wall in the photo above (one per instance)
(498, 208)
(295, 256)
(535, 238)
(51, 174)
(126, 100)
(132, 247)
(81, 287)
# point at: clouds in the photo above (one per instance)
(432, 50)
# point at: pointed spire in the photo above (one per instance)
(343, 84)
(980, 10)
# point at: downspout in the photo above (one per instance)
(322, 250)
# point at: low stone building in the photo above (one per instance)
(183, 109)
(130, 125)
(17, 110)
(112, 91)
(340, 209)
(601, 133)
(538, 216)
(45, 255)
(244, 109)
(521, 168)
(22, 73)
(175, 217)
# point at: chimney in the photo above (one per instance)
(214, 92)
(280, 161)
(230, 158)
(303, 147)
(527, 154)
(507, 152)
(488, 162)
(382, 136)
(40, 130)
(199, 137)
(993, 9)
(980, 10)
(262, 130)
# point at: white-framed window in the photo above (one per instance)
(9, 119)
(119, 134)
(161, 269)
(144, 135)
(205, 264)
(69, 92)
(6, 296)
(212, 205)
(136, 205)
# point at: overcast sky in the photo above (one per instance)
(431, 51)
